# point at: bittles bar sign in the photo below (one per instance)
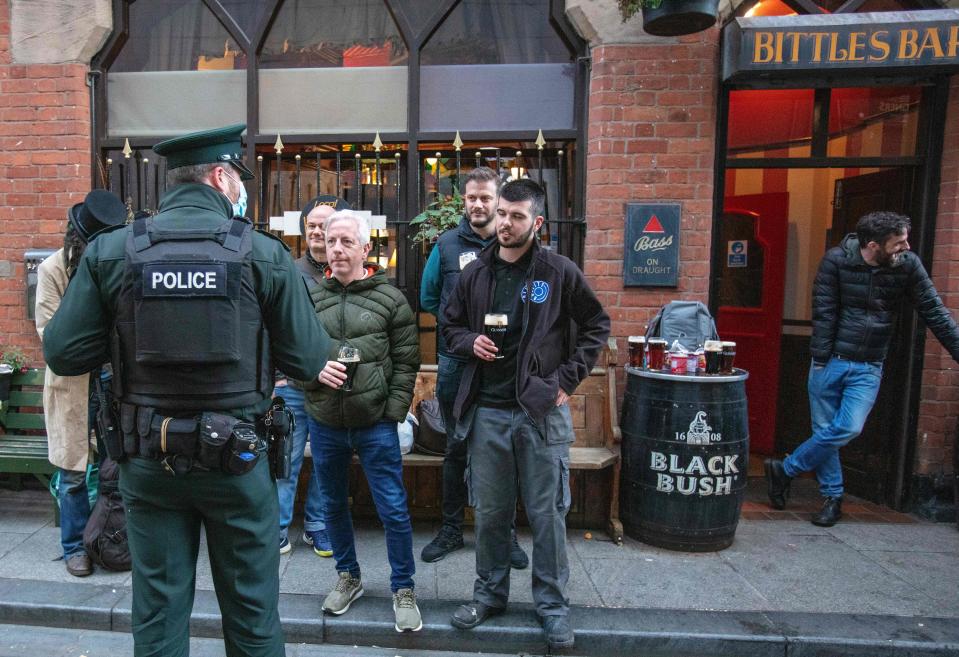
(651, 245)
(917, 43)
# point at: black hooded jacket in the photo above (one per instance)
(854, 304)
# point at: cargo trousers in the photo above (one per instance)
(239, 515)
(508, 454)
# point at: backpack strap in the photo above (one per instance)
(141, 236)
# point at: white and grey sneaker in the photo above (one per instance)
(347, 589)
(408, 618)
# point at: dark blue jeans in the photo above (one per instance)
(379, 452)
(286, 488)
(449, 371)
(74, 511)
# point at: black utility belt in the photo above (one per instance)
(207, 442)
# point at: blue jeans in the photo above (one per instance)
(379, 452)
(841, 395)
(286, 488)
(74, 511)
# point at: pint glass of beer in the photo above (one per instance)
(714, 353)
(728, 356)
(495, 327)
(349, 356)
(657, 353)
(637, 347)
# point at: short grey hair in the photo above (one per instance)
(359, 220)
(192, 173)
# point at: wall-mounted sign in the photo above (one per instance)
(651, 245)
(737, 252)
(919, 43)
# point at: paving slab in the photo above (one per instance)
(30, 602)
(925, 570)
(821, 574)
(921, 537)
(38, 557)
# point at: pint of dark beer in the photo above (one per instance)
(656, 357)
(637, 349)
(728, 356)
(349, 356)
(495, 327)
(714, 353)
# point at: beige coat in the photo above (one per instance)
(65, 398)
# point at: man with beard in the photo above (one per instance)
(856, 296)
(453, 251)
(512, 402)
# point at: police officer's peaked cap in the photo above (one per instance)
(99, 210)
(216, 146)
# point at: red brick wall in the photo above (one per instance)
(651, 138)
(939, 408)
(44, 169)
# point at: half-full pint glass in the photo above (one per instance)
(714, 354)
(637, 347)
(728, 357)
(495, 326)
(656, 357)
(349, 356)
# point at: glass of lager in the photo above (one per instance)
(349, 356)
(495, 327)
(637, 348)
(656, 359)
(728, 356)
(714, 353)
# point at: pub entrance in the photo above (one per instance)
(788, 204)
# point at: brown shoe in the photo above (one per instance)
(79, 565)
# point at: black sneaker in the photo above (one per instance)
(558, 632)
(468, 616)
(777, 483)
(517, 557)
(448, 540)
(830, 513)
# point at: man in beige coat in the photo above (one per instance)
(66, 399)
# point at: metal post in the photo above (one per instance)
(261, 193)
(278, 147)
(357, 162)
(146, 184)
(299, 203)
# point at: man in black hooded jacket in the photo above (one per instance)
(856, 296)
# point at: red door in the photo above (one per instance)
(752, 233)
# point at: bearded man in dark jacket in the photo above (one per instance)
(512, 402)
(856, 295)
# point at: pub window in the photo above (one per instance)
(180, 71)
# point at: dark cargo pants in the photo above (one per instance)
(240, 517)
(509, 455)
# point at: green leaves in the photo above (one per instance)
(439, 216)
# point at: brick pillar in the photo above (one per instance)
(44, 169)
(652, 118)
(939, 406)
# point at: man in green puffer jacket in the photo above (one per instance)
(361, 310)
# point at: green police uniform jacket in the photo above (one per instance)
(373, 316)
(77, 338)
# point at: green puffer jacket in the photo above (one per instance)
(373, 316)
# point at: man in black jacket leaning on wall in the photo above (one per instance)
(856, 295)
(512, 402)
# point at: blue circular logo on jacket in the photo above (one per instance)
(539, 292)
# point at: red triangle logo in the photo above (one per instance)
(653, 225)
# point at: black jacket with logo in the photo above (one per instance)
(854, 304)
(547, 359)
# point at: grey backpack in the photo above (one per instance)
(686, 321)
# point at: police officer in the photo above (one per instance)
(192, 306)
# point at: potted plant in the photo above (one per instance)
(440, 215)
(12, 360)
(672, 17)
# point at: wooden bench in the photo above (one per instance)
(596, 449)
(23, 444)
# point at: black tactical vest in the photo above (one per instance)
(189, 332)
(458, 247)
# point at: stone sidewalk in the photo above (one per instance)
(875, 582)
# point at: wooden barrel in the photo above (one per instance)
(685, 458)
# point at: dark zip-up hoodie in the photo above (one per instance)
(557, 293)
(854, 304)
